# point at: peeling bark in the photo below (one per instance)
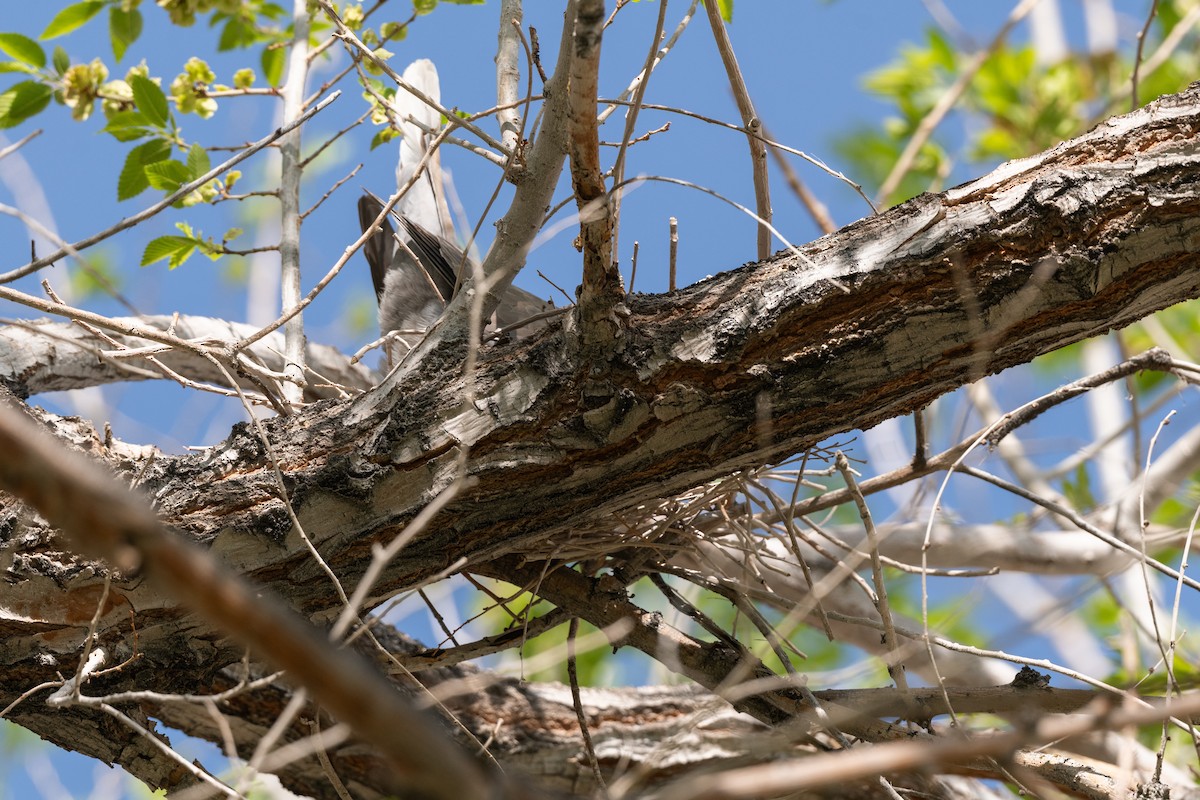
(1090, 236)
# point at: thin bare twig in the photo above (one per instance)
(181, 192)
(946, 102)
(753, 125)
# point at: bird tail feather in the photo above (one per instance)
(425, 203)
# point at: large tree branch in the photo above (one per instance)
(741, 369)
(45, 356)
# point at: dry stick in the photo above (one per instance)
(104, 519)
(816, 209)
(1079, 522)
(54, 238)
(951, 96)
(662, 53)
(266, 743)
(633, 267)
(577, 702)
(816, 162)
(882, 606)
(1165, 50)
(1166, 651)
(801, 775)
(758, 151)
(315, 154)
(673, 223)
(325, 197)
(348, 36)
(438, 657)
(1137, 58)
(921, 435)
(1183, 565)
(15, 146)
(182, 191)
(631, 115)
(157, 742)
(795, 251)
(322, 751)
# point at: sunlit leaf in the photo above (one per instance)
(150, 100)
(272, 65)
(197, 161)
(132, 180)
(71, 18)
(167, 175)
(22, 101)
(175, 248)
(23, 49)
(124, 28)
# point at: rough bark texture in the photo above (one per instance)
(744, 368)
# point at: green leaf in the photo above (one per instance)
(176, 248)
(71, 18)
(272, 64)
(726, 9)
(126, 126)
(150, 100)
(197, 161)
(124, 28)
(236, 34)
(132, 180)
(167, 175)
(16, 66)
(60, 60)
(394, 31)
(424, 6)
(383, 136)
(23, 49)
(22, 101)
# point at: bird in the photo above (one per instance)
(415, 273)
(415, 266)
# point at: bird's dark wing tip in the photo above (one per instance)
(378, 249)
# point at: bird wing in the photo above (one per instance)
(380, 247)
(438, 257)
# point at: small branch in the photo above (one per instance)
(816, 209)
(1137, 58)
(946, 102)
(508, 73)
(631, 115)
(291, 171)
(673, 252)
(895, 667)
(182, 191)
(602, 290)
(15, 146)
(79, 497)
(758, 152)
(577, 702)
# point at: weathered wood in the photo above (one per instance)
(741, 369)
